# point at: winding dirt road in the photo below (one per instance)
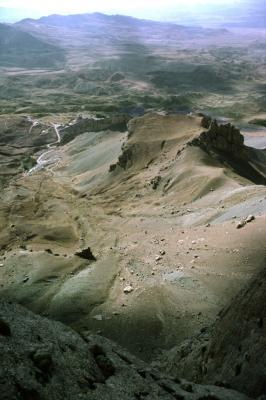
(42, 160)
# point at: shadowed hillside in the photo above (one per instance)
(22, 50)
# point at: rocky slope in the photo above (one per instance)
(236, 353)
(118, 233)
(165, 187)
(42, 359)
(232, 352)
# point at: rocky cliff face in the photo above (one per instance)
(232, 352)
(81, 125)
(236, 353)
(225, 143)
(43, 359)
(221, 138)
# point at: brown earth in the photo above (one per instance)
(163, 222)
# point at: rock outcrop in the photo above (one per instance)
(43, 359)
(222, 138)
(236, 353)
(81, 125)
(206, 121)
(86, 254)
(225, 143)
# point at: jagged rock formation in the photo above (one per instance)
(206, 121)
(221, 138)
(225, 143)
(125, 160)
(43, 359)
(81, 125)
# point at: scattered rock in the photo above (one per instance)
(49, 251)
(250, 218)
(98, 317)
(155, 182)
(86, 254)
(128, 289)
(241, 224)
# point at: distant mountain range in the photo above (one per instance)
(244, 13)
(102, 34)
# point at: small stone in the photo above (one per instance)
(1, 265)
(98, 317)
(250, 218)
(128, 289)
(158, 258)
(162, 252)
(25, 279)
(241, 224)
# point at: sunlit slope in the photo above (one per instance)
(142, 201)
(162, 156)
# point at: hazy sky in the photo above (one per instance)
(117, 6)
(181, 11)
